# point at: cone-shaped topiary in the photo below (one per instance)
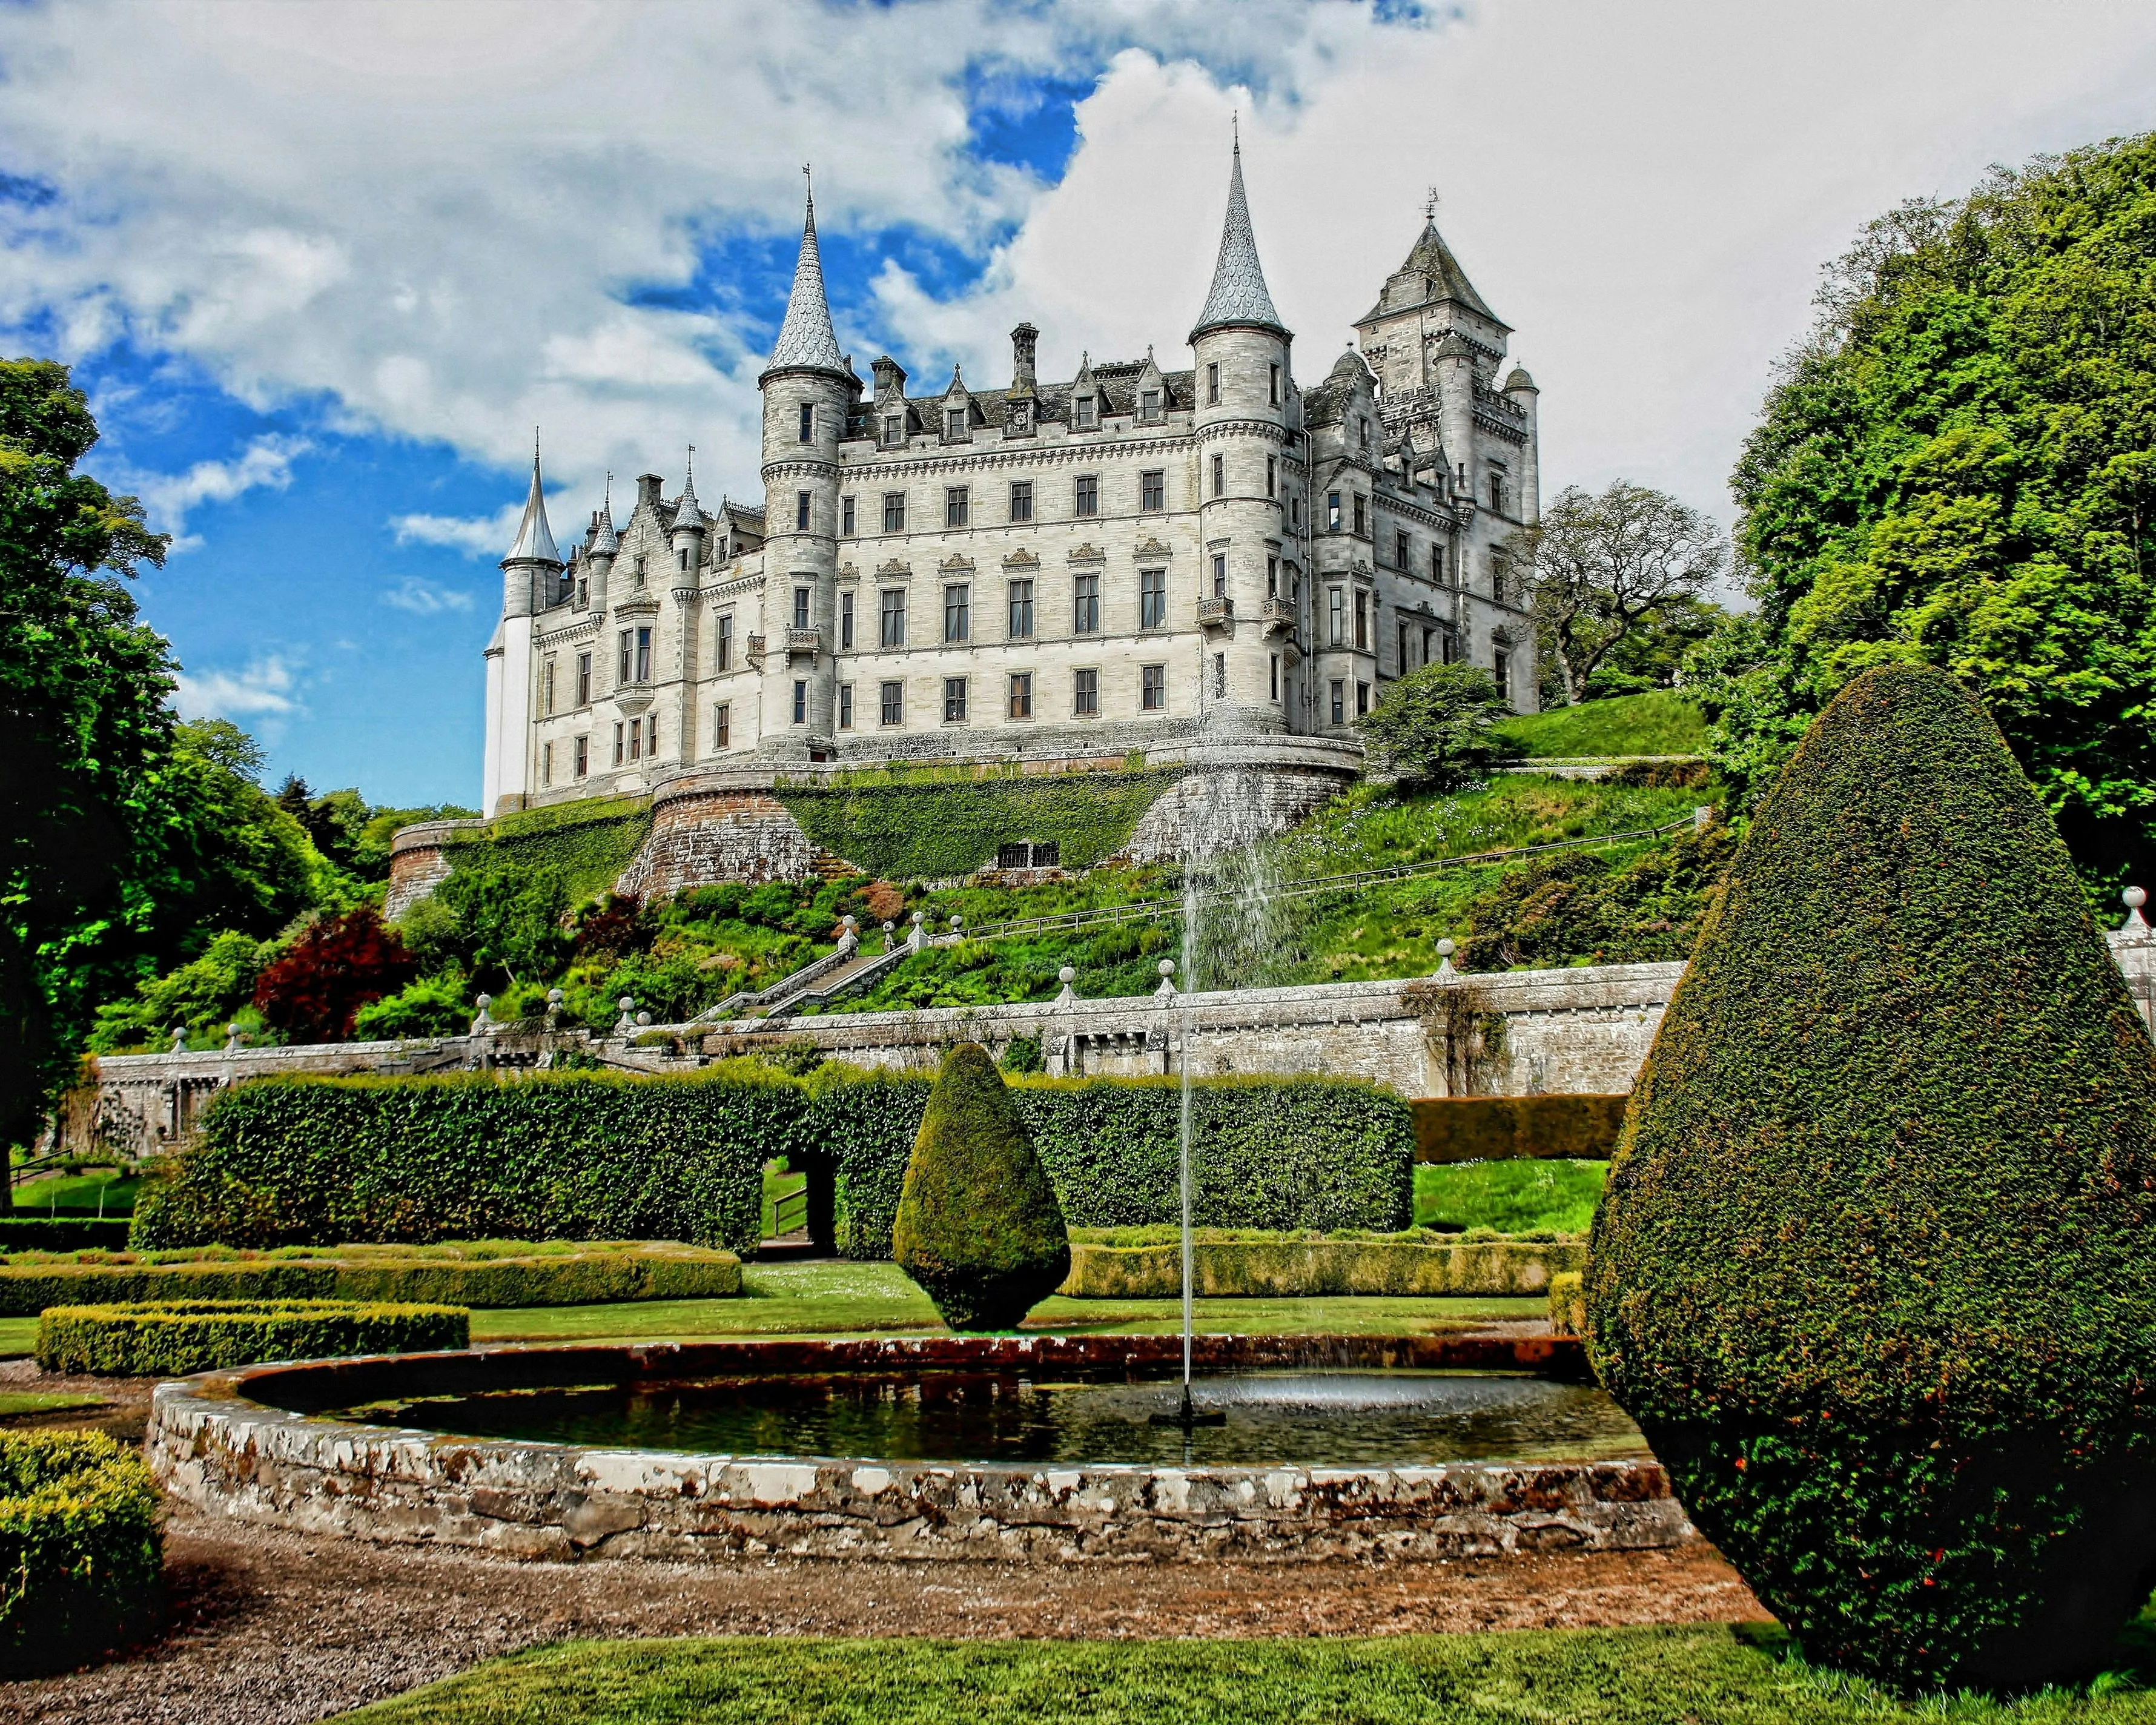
(978, 1226)
(1875, 1269)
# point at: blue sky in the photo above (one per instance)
(321, 268)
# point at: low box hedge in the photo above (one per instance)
(174, 1339)
(62, 1233)
(1567, 1304)
(1142, 1264)
(81, 1556)
(1579, 1127)
(482, 1273)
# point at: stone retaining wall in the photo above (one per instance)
(212, 1445)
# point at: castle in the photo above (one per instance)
(1137, 559)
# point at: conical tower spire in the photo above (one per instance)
(535, 539)
(806, 340)
(605, 541)
(1239, 294)
(688, 513)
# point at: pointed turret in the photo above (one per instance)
(806, 340)
(689, 513)
(605, 541)
(1431, 276)
(535, 539)
(1239, 294)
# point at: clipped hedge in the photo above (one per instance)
(489, 1273)
(80, 1557)
(62, 1233)
(573, 1156)
(180, 1336)
(1285, 1153)
(1289, 1266)
(1578, 1127)
(1567, 1304)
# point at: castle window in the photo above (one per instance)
(845, 621)
(801, 607)
(1220, 676)
(1497, 493)
(620, 730)
(1088, 498)
(722, 728)
(954, 424)
(725, 654)
(681, 554)
(1152, 688)
(954, 701)
(807, 422)
(1152, 490)
(1021, 695)
(1212, 386)
(1274, 384)
(546, 684)
(1332, 511)
(1361, 516)
(893, 430)
(800, 701)
(892, 699)
(1436, 562)
(1339, 701)
(1295, 512)
(1400, 550)
(626, 662)
(1402, 668)
(1086, 411)
(636, 739)
(1085, 609)
(1272, 468)
(1429, 642)
(1362, 620)
(545, 763)
(894, 511)
(892, 631)
(1152, 598)
(583, 680)
(1272, 578)
(583, 756)
(644, 655)
(845, 517)
(1219, 475)
(1276, 682)
(800, 518)
(1219, 574)
(954, 506)
(957, 611)
(1338, 605)
(640, 571)
(1362, 699)
(1021, 508)
(1149, 406)
(583, 592)
(1021, 610)
(845, 707)
(1366, 433)
(1085, 694)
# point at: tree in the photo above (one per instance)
(1875, 1269)
(1437, 725)
(508, 920)
(1606, 567)
(338, 965)
(978, 1226)
(83, 691)
(1958, 467)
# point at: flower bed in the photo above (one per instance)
(172, 1340)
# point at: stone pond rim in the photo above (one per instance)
(242, 1444)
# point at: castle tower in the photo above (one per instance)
(504, 774)
(807, 389)
(1243, 391)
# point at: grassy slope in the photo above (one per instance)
(1714, 1674)
(1512, 1197)
(1655, 723)
(77, 1195)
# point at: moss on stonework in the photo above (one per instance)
(978, 1227)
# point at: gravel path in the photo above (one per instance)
(268, 1628)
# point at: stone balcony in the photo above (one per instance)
(1215, 612)
(1278, 615)
(804, 642)
(753, 652)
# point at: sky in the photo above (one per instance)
(323, 268)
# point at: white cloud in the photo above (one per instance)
(425, 598)
(168, 496)
(267, 689)
(484, 536)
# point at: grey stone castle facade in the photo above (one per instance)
(1140, 558)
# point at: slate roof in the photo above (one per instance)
(806, 340)
(535, 539)
(1444, 278)
(1239, 294)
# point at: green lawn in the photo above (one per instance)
(1710, 1676)
(14, 1402)
(843, 1299)
(1512, 1197)
(77, 1195)
(1655, 723)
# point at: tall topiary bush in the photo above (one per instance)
(978, 1226)
(1875, 1269)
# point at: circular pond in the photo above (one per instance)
(1004, 1447)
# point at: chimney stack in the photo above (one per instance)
(1023, 339)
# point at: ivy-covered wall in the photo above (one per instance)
(587, 842)
(927, 823)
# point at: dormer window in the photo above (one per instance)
(893, 430)
(1087, 410)
(1149, 406)
(954, 423)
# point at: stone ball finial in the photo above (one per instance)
(626, 1004)
(919, 917)
(1066, 976)
(2135, 897)
(887, 928)
(555, 997)
(643, 1017)
(1168, 966)
(1445, 948)
(485, 1001)
(849, 921)
(956, 921)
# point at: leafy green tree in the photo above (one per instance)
(235, 858)
(83, 690)
(1958, 467)
(202, 996)
(1608, 568)
(1437, 726)
(507, 920)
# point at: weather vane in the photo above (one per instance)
(1429, 206)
